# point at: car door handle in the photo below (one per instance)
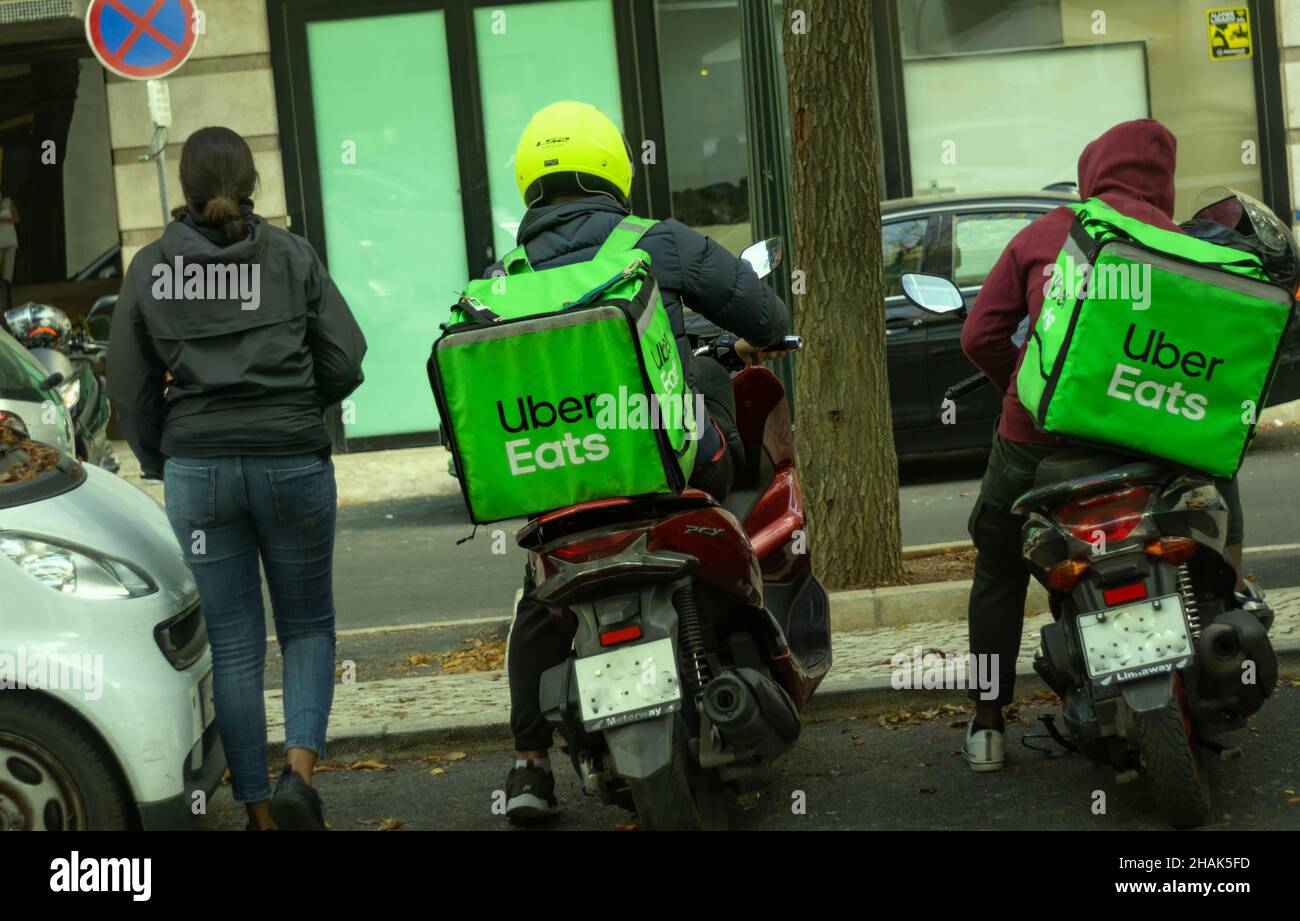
(901, 324)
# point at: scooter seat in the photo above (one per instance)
(1077, 473)
(1076, 463)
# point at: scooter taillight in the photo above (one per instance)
(1112, 516)
(591, 548)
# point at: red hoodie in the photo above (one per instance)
(1131, 168)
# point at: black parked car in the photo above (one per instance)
(961, 237)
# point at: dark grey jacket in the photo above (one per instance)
(688, 267)
(244, 381)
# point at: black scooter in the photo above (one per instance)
(69, 356)
(1151, 649)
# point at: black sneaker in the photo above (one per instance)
(295, 805)
(530, 793)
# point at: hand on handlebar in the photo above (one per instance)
(752, 355)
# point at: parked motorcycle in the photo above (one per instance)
(69, 356)
(700, 629)
(1151, 650)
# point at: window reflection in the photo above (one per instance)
(703, 90)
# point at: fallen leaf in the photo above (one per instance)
(390, 824)
(436, 771)
(368, 765)
(453, 756)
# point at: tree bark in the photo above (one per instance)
(844, 436)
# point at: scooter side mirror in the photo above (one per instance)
(932, 293)
(764, 256)
(99, 321)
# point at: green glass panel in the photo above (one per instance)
(530, 55)
(392, 207)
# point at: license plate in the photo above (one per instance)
(1136, 640)
(627, 684)
(207, 707)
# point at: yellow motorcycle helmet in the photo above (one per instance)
(572, 148)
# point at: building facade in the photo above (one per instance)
(384, 130)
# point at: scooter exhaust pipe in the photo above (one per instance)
(753, 712)
(1237, 659)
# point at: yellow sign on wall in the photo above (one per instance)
(1229, 33)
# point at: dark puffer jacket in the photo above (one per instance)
(688, 266)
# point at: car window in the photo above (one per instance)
(978, 240)
(903, 243)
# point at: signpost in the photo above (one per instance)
(145, 40)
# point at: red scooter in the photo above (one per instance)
(700, 631)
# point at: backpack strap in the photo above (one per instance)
(625, 236)
(516, 262)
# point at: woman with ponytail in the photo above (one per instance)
(229, 343)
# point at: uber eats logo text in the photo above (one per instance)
(547, 449)
(530, 414)
(1158, 348)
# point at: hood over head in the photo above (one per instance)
(1133, 160)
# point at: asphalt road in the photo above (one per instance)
(399, 563)
(852, 774)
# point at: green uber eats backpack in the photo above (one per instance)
(564, 385)
(1168, 351)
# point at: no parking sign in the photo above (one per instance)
(141, 39)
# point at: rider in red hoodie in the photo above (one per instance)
(1131, 168)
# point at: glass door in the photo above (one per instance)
(399, 122)
(390, 200)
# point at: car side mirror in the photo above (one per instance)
(932, 293)
(764, 256)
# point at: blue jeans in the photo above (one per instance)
(226, 511)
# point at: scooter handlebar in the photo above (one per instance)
(967, 386)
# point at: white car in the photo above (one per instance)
(106, 711)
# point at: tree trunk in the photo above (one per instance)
(844, 436)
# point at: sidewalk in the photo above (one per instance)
(414, 711)
(368, 476)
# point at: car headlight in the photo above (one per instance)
(70, 393)
(74, 570)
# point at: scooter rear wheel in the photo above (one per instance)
(1173, 766)
(680, 797)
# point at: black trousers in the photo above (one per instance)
(537, 641)
(995, 616)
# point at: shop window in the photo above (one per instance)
(518, 47)
(703, 87)
(56, 174)
(1003, 96)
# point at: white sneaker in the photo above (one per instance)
(985, 749)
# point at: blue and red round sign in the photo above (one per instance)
(141, 39)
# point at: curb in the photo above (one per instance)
(910, 604)
(831, 700)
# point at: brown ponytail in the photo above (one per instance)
(218, 178)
